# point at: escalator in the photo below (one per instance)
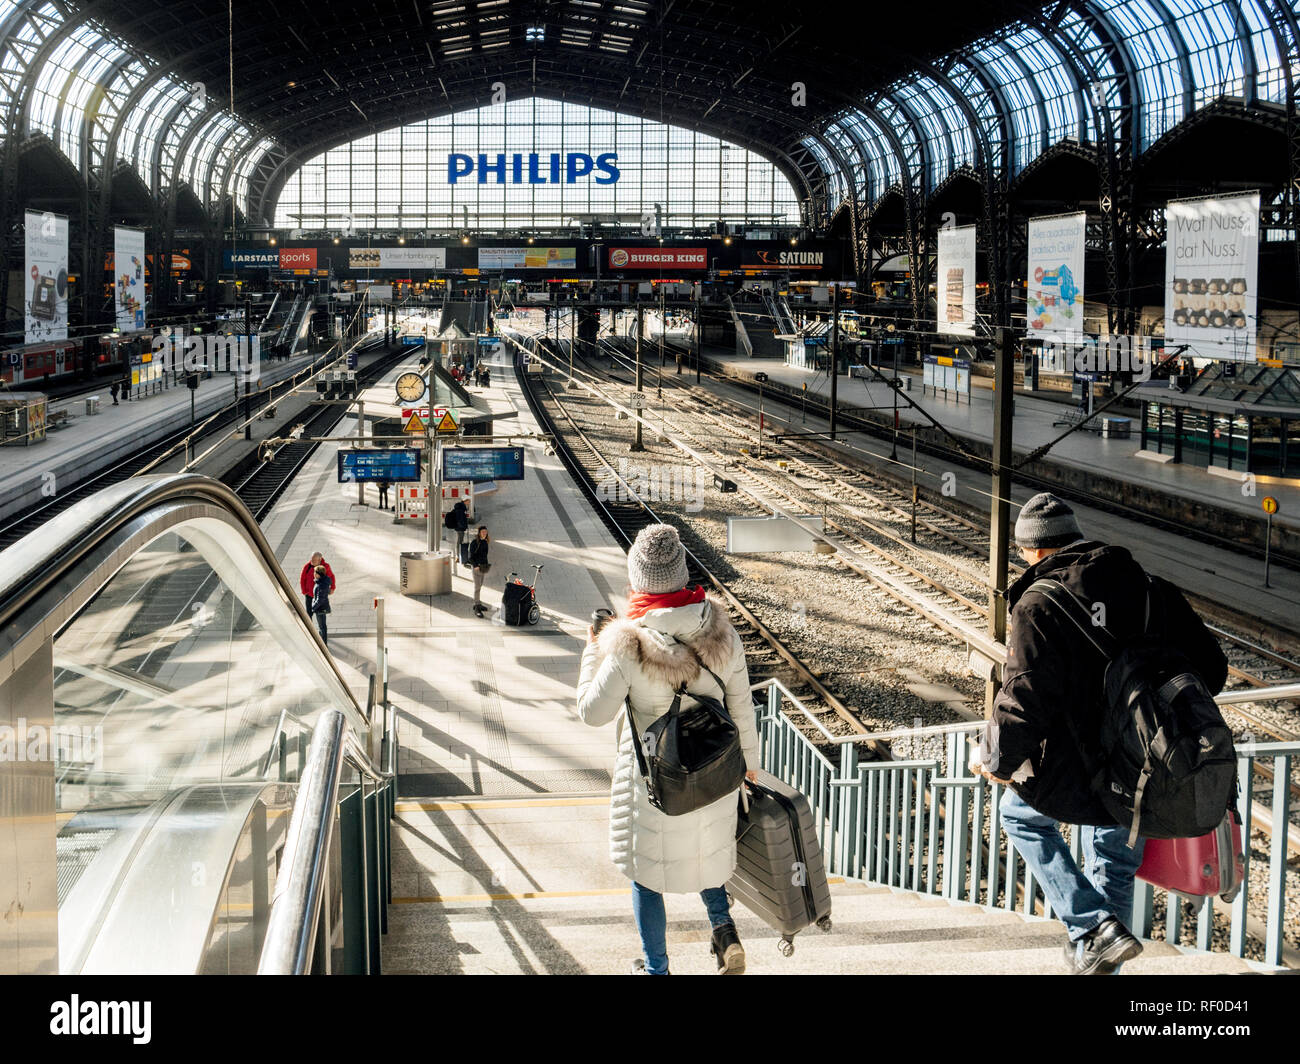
(199, 790)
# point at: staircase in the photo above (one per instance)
(517, 886)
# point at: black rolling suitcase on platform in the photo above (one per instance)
(780, 875)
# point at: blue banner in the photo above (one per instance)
(370, 465)
(482, 463)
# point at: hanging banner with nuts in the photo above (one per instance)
(1054, 296)
(956, 281)
(1211, 276)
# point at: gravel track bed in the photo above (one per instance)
(851, 634)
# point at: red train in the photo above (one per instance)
(34, 365)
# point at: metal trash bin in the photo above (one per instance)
(92, 404)
(1115, 428)
(425, 572)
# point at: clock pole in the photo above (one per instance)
(432, 476)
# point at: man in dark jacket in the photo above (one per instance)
(1051, 702)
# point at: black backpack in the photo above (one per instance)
(691, 757)
(1164, 764)
(449, 520)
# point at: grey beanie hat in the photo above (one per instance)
(1046, 521)
(656, 561)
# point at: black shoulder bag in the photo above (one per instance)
(691, 757)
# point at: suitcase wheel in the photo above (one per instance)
(534, 614)
(824, 925)
(786, 946)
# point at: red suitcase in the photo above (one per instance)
(1209, 864)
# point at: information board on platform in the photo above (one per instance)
(371, 465)
(483, 463)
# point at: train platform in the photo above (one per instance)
(500, 857)
(1037, 421)
(86, 444)
(485, 709)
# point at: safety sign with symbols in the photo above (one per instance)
(447, 423)
(413, 423)
(1270, 505)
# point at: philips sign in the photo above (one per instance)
(533, 169)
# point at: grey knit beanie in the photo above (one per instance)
(656, 561)
(1046, 521)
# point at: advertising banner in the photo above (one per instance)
(659, 258)
(128, 278)
(250, 258)
(1054, 303)
(45, 282)
(297, 258)
(955, 283)
(1212, 275)
(397, 258)
(781, 259)
(528, 258)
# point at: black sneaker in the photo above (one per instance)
(1102, 950)
(727, 950)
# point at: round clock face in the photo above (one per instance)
(410, 387)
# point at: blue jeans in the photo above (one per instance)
(1081, 899)
(652, 922)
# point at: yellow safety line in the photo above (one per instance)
(501, 803)
(447, 899)
(451, 898)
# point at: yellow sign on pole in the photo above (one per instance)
(1270, 504)
(447, 424)
(414, 424)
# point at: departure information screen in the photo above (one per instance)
(482, 463)
(388, 465)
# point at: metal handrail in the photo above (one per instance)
(289, 945)
(912, 825)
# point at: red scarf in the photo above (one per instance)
(641, 602)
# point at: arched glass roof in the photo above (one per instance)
(1037, 81)
(86, 83)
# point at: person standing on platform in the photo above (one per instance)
(307, 578)
(459, 523)
(669, 632)
(1047, 720)
(478, 559)
(383, 494)
(320, 600)
(112, 391)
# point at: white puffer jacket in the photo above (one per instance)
(643, 662)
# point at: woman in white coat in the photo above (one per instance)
(669, 630)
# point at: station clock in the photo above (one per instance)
(410, 387)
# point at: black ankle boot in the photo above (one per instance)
(727, 950)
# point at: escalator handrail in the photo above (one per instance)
(299, 894)
(38, 561)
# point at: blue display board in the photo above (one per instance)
(412, 341)
(482, 463)
(393, 466)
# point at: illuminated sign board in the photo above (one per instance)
(658, 258)
(527, 258)
(533, 168)
(391, 465)
(482, 463)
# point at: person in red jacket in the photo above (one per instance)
(307, 580)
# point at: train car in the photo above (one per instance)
(38, 365)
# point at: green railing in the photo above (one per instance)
(925, 823)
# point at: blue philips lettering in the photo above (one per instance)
(498, 168)
(555, 168)
(606, 163)
(579, 165)
(517, 168)
(458, 166)
(533, 177)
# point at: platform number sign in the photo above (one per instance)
(637, 400)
